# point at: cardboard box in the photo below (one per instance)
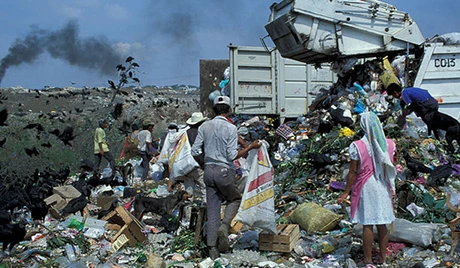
(59, 199)
(66, 191)
(130, 228)
(104, 202)
(55, 203)
(235, 226)
(55, 200)
(284, 240)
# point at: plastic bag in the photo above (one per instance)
(449, 38)
(411, 130)
(216, 93)
(414, 209)
(227, 73)
(257, 208)
(226, 90)
(399, 65)
(107, 172)
(157, 171)
(223, 83)
(176, 152)
(359, 107)
(342, 66)
(420, 234)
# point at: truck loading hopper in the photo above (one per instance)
(316, 31)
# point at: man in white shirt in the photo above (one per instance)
(145, 147)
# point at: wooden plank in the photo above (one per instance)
(286, 231)
(294, 241)
(295, 231)
(124, 214)
(274, 247)
(278, 239)
(199, 225)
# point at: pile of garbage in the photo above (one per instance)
(310, 157)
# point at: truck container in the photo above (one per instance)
(313, 31)
(439, 73)
(262, 82)
(319, 31)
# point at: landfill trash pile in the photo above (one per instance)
(80, 221)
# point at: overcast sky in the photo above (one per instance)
(166, 37)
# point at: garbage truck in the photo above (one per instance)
(262, 82)
(320, 31)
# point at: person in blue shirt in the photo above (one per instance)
(410, 94)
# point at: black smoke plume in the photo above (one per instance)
(94, 53)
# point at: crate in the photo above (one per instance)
(284, 240)
(130, 231)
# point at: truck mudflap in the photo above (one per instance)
(317, 31)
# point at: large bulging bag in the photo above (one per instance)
(257, 208)
(314, 218)
(176, 153)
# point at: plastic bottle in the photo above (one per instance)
(70, 251)
(293, 153)
(217, 265)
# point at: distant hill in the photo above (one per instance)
(80, 108)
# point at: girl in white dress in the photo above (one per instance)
(371, 183)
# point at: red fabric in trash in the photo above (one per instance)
(392, 249)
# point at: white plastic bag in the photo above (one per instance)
(257, 208)
(419, 234)
(227, 73)
(449, 38)
(156, 171)
(176, 152)
(107, 172)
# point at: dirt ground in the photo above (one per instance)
(80, 109)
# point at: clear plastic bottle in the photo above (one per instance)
(70, 252)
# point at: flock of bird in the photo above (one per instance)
(20, 192)
(66, 135)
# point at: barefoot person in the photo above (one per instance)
(371, 183)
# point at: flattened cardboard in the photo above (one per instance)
(66, 191)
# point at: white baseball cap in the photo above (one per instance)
(222, 100)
